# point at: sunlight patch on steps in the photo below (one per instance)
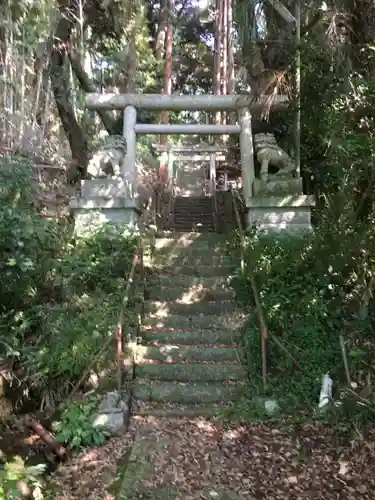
(162, 310)
(194, 294)
(191, 296)
(142, 352)
(173, 243)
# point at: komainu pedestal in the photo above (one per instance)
(104, 200)
(279, 205)
(110, 195)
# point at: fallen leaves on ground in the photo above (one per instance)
(88, 474)
(262, 462)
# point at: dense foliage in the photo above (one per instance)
(310, 298)
(312, 288)
(315, 288)
(60, 297)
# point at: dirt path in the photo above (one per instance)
(195, 459)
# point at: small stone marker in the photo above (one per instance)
(112, 414)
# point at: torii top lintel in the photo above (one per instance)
(178, 102)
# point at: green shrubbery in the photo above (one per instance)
(59, 297)
(19, 480)
(311, 287)
(319, 286)
(75, 427)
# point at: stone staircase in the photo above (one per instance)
(193, 213)
(188, 363)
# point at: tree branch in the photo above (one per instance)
(109, 123)
(315, 20)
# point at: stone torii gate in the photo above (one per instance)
(170, 154)
(116, 199)
(130, 103)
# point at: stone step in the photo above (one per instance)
(193, 219)
(197, 217)
(190, 337)
(187, 246)
(186, 372)
(204, 321)
(198, 226)
(176, 410)
(196, 198)
(162, 309)
(189, 235)
(191, 223)
(212, 283)
(190, 247)
(192, 260)
(193, 209)
(184, 354)
(206, 229)
(188, 393)
(198, 208)
(190, 210)
(193, 270)
(164, 293)
(192, 201)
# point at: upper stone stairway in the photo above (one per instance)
(188, 362)
(194, 213)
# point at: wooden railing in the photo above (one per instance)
(172, 195)
(214, 202)
(169, 187)
(247, 270)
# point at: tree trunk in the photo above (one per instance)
(3, 74)
(60, 88)
(230, 72)
(225, 52)
(168, 64)
(160, 39)
(230, 79)
(217, 56)
(132, 64)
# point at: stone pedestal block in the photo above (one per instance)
(277, 186)
(290, 213)
(108, 188)
(101, 201)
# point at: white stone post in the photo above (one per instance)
(212, 172)
(247, 153)
(128, 168)
(163, 166)
(171, 160)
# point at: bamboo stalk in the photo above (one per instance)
(22, 96)
(298, 88)
(345, 359)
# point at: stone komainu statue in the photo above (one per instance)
(107, 161)
(269, 153)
